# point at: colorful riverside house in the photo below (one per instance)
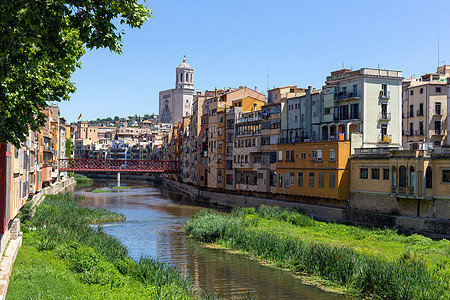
(270, 136)
(316, 171)
(406, 182)
(366, 101)
(425, 110)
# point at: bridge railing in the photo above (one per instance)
(119, 165)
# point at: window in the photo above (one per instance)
(384, 89)
(229, 179)
(375, 173)
(287, 155)
(321, 179)
(332, 180)
(246, 159)
(280, 180)
(437, 127)
(437, 108)
(354, 111)
(314, 154)
(311, 179)
(327, 111)
(394, 176)
(420, 128)
(411, 177)
(319, 155)
(286, 180)
(411, 92)
(446, 176)
(292, 177)
(363, 173)
(303, 156)
(438, 89)
(428, 178)
(421, 91)
(411, 110)
(402, 176)
(292, 155)
(332, 155)
(273, 178)
(280, 155)
(385, 174)
(420, 109)
(300, 179)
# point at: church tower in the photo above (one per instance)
(184, 76)
(176, 103)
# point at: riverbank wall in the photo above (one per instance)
(436, 228)
(11, 240)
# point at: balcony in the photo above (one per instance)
(346, 96)
(438, 132)
(249, 118)
(384, 138)
(385, 95)
(372, 152)
(384, 117)
(439, 112)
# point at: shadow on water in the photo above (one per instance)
(155, 217)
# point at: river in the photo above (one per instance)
(154, 220)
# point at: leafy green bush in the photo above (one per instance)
(83, 180)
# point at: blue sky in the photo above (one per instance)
(236, 43)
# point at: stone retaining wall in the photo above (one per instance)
(427, 226)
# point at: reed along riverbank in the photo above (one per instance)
(63, 257)
(378, 263)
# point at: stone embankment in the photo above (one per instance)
(436, 228)
(11, 240)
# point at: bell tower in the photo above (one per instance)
(184, 76)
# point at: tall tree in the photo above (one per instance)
(41, 43)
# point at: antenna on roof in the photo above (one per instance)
(343, 66)
(267, 79)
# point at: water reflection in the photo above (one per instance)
(154, 219)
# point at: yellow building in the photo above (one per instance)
(249, 103)
(316, 169)
(406, 182)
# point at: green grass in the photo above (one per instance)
(64, 258)
(99, 191)
(372, 262)
(121, 187)
(83, 180)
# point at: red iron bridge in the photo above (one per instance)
(119, 165)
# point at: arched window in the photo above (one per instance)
(181, 76)
(428, 179)
(394, 176)
(402, 176)
(411, 177)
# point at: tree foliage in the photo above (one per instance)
(41, 43)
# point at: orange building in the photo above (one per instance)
(316, 169)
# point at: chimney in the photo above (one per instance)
(256, 88)
(215, 92)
